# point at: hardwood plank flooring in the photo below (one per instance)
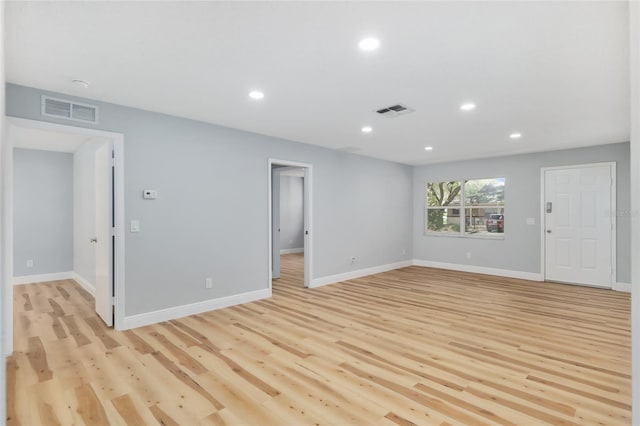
(415, 346)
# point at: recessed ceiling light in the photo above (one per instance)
(256, 94)
(468, 106)
(81, 83)
(428, 148)
(515, 135)
(367, 129)
(368, 44)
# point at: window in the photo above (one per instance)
(469, 207)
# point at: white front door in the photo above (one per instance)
(104, 239)
(578, 225)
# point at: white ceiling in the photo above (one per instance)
(557, 72)
(22, 137)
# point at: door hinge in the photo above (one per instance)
(113, 231)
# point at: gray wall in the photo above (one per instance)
(520, 249)
(205, 224)
(291, 212)
(43, 211)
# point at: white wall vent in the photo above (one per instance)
(62, 108)
(395, 110)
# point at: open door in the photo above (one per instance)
(276, 168)
(275, 223)
(306, 206)
(104, 239)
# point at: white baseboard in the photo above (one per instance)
(175, 312)
(626, 287)
(332, 279)
(84, 283)
(292, 250)
(532, 276)
(40, 278)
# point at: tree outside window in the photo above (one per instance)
(470, 207)
(441, 196)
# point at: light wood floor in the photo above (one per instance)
(412, 346)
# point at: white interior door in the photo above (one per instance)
(307, 203)
(275, 223)
(579, 225)
(104, 236)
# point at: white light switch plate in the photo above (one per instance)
(135, 226)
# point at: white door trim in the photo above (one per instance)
(308, 216)
(118, 148)
(275, 221)
(612, 168)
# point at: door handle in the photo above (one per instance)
(93, 240)
(548, 231)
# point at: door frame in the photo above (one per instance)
(117, 139)
(308, 216)
(275, 221)
(614, 226)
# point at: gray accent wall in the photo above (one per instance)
(43, 212)
(211, 221)
(520, 248)
(291, 212)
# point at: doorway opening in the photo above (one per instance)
(290, 223)
(579, 224)
(63, 210)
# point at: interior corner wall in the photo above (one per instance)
(634, 56)
(5, 286)
(205, 224)
(519, 251)
(43, 212)
(291, 212)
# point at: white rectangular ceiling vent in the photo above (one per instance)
(395, 110)
(62, 108)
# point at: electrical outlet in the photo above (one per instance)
(208, 283)
(30, 263)
(353, 260)
(468, 255)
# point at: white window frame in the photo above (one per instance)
(463, 214)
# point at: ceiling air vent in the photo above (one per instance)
(61, 108)
(395, 110)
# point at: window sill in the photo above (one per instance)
(498, 236)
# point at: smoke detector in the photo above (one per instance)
(81, 83)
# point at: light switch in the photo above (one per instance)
(531, 221)
(135, 226)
